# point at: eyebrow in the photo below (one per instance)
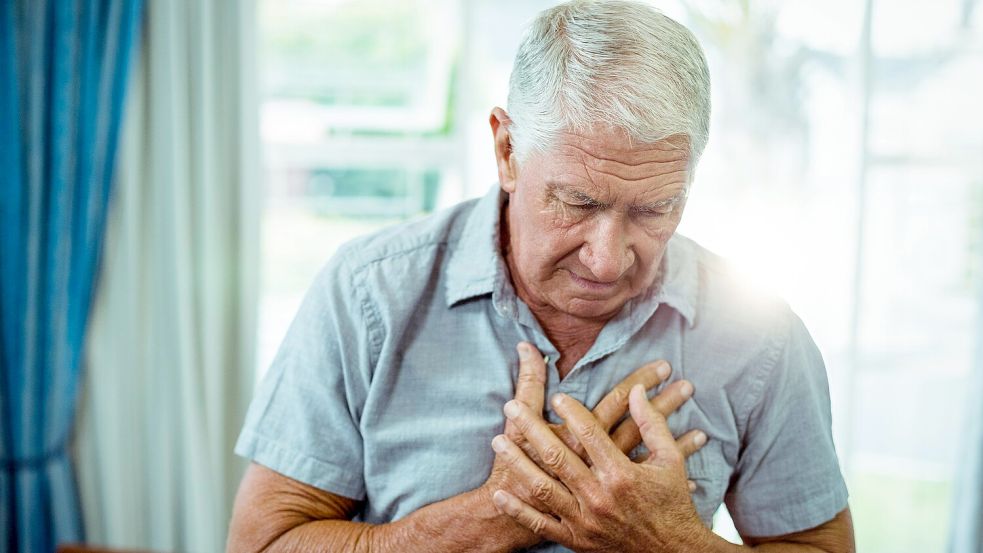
(553, 187)
(671, 201)
(588, 200)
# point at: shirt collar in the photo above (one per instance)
(679, 278)
(476, 263)
(476, 259)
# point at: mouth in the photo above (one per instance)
(593, 285)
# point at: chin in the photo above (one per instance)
(593, 308)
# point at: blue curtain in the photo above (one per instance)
(63, 72)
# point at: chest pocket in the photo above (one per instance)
(709, 470)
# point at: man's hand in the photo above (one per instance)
(612, 505)
(531, 390)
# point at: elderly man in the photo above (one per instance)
(380, 426)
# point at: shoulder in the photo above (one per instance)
(743, 329)
(388, 271)
(411, 244)
(729, 306)
(413, 239)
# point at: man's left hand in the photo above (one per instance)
(614, 504)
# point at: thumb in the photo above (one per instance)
(653, 427)
(530, 386)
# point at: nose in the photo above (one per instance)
(607, 250)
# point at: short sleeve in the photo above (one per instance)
(304, 420)
(787, 477)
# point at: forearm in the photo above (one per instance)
(715, 544)
(462, 523)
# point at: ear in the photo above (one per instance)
(505, 161)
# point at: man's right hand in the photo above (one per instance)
(531, 390)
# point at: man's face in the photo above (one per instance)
(589, 221)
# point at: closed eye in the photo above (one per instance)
(654, 211)
(582, 202)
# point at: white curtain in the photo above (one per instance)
(966, 530)
(170, 351)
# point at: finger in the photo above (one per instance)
(673, 397)
(540, 486)
(626, 435)
(614, 405)
(691, 442)
(542, 525)
(692, 486)
(530, 386)
(600, 449)
(568, 438)
(554, 455)
(653, 427)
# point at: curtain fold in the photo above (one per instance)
(63, 73)
(966, 528)
(170, 353)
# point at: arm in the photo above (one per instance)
(274, 513)
(835, 536)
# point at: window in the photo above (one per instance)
(357, 128)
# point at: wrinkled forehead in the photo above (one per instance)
(617, 145)
(611, 156)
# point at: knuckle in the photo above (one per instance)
(588, 431)
(620, 394)
(537, 525)
(600, 505)
(616, 482)
(554, 456)
(527, 377)
(543, 491)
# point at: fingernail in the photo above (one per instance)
(556, 399)
(686, 389)
(498, 443)
(662, 371)
(511, 409)
(525, 352)
(692, 486)
(699, 439)
(499, 498)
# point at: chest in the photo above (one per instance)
(433, 410)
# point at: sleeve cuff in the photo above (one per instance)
(315, 472)
(790, 518)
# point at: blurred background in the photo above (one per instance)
(844, 172)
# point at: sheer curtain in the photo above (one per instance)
(170, 354)
(966, 532)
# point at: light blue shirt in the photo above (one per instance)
(390, 383)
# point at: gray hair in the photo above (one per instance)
(617, 63)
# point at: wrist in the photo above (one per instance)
(496, 528)
(466, 522)
(706, 541)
